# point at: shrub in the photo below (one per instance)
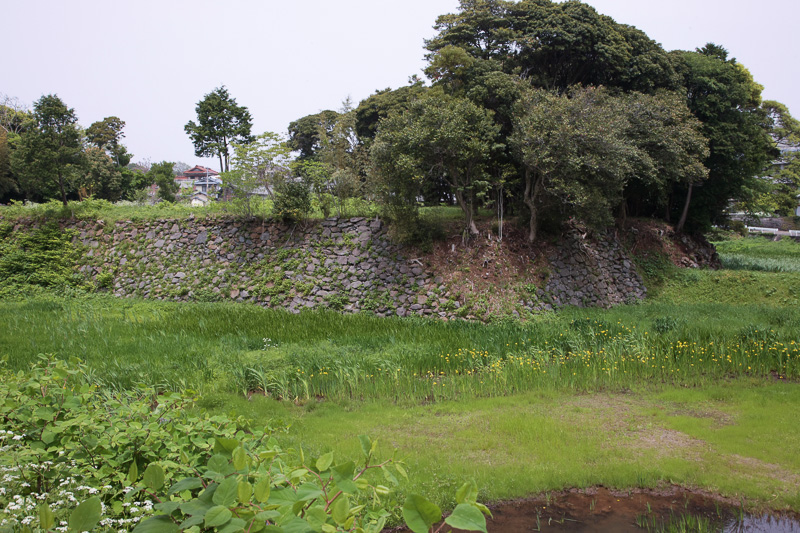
(292, 201)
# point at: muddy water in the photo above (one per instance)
(600, 510)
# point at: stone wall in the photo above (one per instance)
(343, 264)
(592, 274)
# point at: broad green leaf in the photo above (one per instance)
(239, 458)
(86, 515)
(191, 521)
(48, 437)
(186, 484)
(167, 507)
(324, 462)
(344, 471)
(262, 489)
(296, 525)
(467, 493)
(420, 514)
(46, 518)
(467, 517)
(308, 491)
(244, 492)
(216, 516)
(226, 492)
(316, 517)
(156, 524)
(153, 476)
(482, 508)
(347, 486)
(196, 507)
(340, 510)
(236, 524)
(225, 446)
(282, 497)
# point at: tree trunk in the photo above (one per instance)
(533, 185)
(61, 188)
(682, 221)
(466, 207)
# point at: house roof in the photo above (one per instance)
(198, 171)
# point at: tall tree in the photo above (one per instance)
(671, 148)
(438, 137)
(8, 185)
(263, 163)
(50, 153)
(724, 97)
(575, 153)
(552, 44)
(161, 174)
(220, 122)
(304, 133)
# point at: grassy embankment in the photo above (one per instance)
(697, 387)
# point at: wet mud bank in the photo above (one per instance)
(599, 509)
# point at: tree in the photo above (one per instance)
(380, 105)
(304, 132)
(102, 177)
(50, 153)
(439, 136)
(8, 185)
(13, 114)
(575, 152)
(220, 122)
(343, 155)
(671, 148)
(553, 45)
(161, 174)
(262, 163)
(722, 94)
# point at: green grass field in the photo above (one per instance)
(698, 386)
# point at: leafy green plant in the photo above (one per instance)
(146, 462)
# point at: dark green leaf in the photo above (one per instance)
(420, 514)
(226, 492)
(186, 484)
(154, 476)
(467, 517)
(86, 515)
(156, 524)
(216, 516)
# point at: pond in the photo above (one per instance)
(601, 510)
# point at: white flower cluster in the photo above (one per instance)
(269, 343)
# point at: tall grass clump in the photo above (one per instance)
(245, 349)
(758, 253)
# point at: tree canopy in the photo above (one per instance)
(220, 122)
(50, 153)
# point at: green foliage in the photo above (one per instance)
(220, 121)
(554, 45)
(43, 257)
(438, 138)
(292, 201)
(50, 155)
(724, 97)
(147, 461)
(162, 175)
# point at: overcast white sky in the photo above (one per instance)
(150, 61)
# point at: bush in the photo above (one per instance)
(292, 201)
(142, 461)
